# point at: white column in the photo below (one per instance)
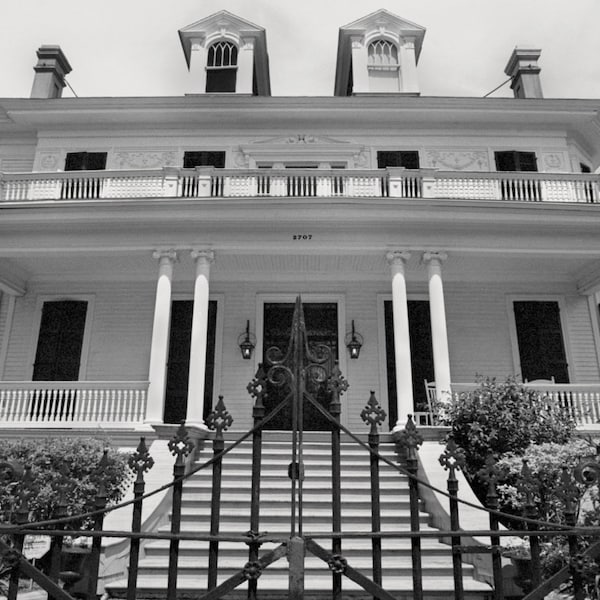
(360, 72)
(408, 66)
(159, 348)
(404, 394)
(198, 58)
(195, 400)
(245, 67)
(439, 330)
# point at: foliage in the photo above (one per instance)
(545, 463)
(498, 416)
(61, 467)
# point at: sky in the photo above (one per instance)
(131, 47)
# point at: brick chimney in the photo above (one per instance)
(522, 67)
(50, 72)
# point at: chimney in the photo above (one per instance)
(523, 69)
(50, 72)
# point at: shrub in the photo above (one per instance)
(68, 464)
(498, 417)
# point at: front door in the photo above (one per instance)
(321, 320)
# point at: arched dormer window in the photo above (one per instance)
(221, 67)
(382, 54)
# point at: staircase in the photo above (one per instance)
(275, 507)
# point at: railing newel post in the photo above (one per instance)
(453, 458)
(139, 462)
(218, 420)
(374, 416)
(22, 517)
(411, 440)
(257, 389)
(180, 446)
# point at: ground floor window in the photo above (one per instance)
(421, 355)
(178, 367)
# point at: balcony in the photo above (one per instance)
(72, 404)
(206, 182)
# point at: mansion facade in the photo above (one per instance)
(151, 249)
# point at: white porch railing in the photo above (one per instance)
(206, 182)
(72, 403)
(581, 401)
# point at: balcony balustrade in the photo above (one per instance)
(206, 182)
(72, 403)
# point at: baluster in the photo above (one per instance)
(99, 505)
(32, 401)
(56, 545)
(22, 517)
(568, 493)
(257, 389)
(139, 462)
(527, 487)
(453, 458)
(336, 385)
(373, 415)
(3, 404)
(180, 446)
(411, 440)
(489, 474)
(218, 420)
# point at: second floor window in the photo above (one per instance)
(221, 67)
(409, 159)
(85, 161)
(382, 54)
(204, 158)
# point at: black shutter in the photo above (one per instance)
(204, 158)
(513, 160)
(85, 161)
(409, 159)
(60, 341)
(541, 346)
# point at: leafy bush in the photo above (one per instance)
(545, 462)
(61, 464)
(498, 417)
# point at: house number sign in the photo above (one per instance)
(302, 236)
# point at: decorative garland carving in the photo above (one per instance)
(459, 160)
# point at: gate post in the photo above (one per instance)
(99, 506)
(296, 553)
(22, 514)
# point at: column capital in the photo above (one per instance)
(203, 256)
(162, 254)
(397, 257)
(434, 258)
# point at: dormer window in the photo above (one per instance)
(221, 67)
(382, 55)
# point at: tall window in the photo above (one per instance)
(409, 159)
(514, 160)
(221, 67)
(382, 54)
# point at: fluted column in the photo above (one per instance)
(195, 400)
(439, 329)
(159, 348)
(404, 394)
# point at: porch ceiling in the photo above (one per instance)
(272, 266)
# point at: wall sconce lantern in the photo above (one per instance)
(354, 342)
(247, 342)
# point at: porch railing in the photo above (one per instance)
(84, 403)
(581, 401)
(206, 182)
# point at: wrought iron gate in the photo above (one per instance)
(298, 371)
